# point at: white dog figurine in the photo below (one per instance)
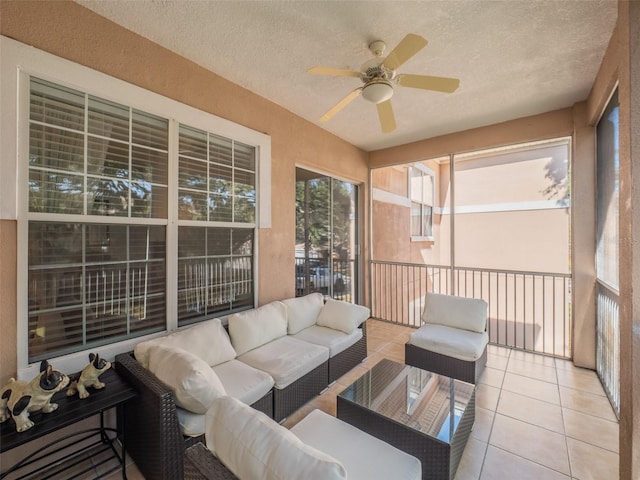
(19, 398)
(89, 376)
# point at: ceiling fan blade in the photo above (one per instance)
(336, 72)
(426, 82)
(407, 48)
(340, 105)
(387, 118)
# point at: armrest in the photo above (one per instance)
(152, 432)
(200, 464)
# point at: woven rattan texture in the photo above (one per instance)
(445, 365)
(289, 399)
(200, 464)
(347, 359)
(154, 440)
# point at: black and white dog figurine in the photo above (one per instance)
(89, 376)
(19, 398)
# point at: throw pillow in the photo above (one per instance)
(193, 382)
(343, 316)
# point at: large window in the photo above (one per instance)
(101, 216)
(421, 194)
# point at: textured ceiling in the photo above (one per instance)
(514, 58)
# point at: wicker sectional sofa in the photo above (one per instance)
(274, 358)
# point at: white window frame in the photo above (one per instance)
(17, 63)
(426, 171)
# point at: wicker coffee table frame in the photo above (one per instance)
(439, 459)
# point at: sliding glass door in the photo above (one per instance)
(326, 236)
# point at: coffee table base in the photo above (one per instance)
(439, 459)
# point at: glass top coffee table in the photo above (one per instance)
(422, 413)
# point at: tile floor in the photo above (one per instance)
(537, 418)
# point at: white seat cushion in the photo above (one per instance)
(254, 447)
(191, 424)
(335, 340)
(286, 359)
(253, 328)
(452, 342)
(458, 312)
(243, 382)
(363, 456)
(302, 312)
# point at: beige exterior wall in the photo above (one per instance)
(69, 30)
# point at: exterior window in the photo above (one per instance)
(421, 195)
(216, 183)
(99, 219)
(92, 281)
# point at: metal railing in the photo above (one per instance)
(608, 342)
(526, 310)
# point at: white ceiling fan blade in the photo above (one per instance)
(407, 48)
(387, 118)
(336, 72)
(426, 82)
(341, 104)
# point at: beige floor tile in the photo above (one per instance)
(588, 403)
(533, 370)
(374, 344)
(497, 361)
(531, 442)
(564, 364)
(393, 351)
(594, 430)
(502, 465)
(492, 377)
(581, 379)
(498, 350)
(538, 389)
(533, 358)
(352, 375)
(371, 360)
(471, 462)
(482, 425)
(543, 414)
(591, 463)
(487, 397)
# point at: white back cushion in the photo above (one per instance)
(302, 312)
(207, 340)
(343, 316)
(457, 312)
(193, 382)
(253, 328)
(255, 447)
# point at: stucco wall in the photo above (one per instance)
(71, 31)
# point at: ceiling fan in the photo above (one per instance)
(380, 78)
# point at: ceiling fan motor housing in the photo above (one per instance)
(377, 91)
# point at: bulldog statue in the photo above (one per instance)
(19, 398)
(89, 376)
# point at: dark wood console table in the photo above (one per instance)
(71, 410)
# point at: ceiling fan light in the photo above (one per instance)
(377, 92)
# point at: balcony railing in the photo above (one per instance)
(333, 278)
(527, 310)
(608, 344)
